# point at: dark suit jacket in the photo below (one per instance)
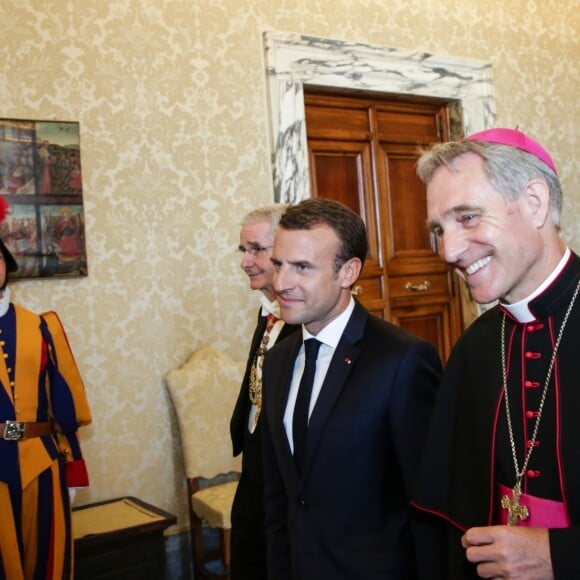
(248, 544)
(239, 421)
(348, 517)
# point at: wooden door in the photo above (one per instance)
(363, 152)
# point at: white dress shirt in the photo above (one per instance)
(4, 301)
(329, 336)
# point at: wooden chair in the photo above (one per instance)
(203, 392)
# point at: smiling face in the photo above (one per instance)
(504, 249)
(256, 241)
(310, 291)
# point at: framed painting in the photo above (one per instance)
(41, 179)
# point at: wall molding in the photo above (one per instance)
(293, 61)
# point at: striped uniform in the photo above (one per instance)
(40, 382)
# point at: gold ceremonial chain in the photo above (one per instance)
(255, 380)
(515, 510)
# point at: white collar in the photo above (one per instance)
(332, 332)
(269, 306)
(4, 301)
(520, 310)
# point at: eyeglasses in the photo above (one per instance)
(254, 250)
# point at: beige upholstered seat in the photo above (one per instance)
(204, 392)
(214, 504)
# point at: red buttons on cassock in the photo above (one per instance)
(533, 473)
(530, 443)
(531, 414)
(531, 384)
(534, 327)
(532, 355)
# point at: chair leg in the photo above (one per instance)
(226, 540)
(197, 548)
(196, 533)
(199, 554)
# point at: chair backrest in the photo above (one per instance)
(204, 392)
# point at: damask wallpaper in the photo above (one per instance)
(172, 104)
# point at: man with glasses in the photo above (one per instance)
(248, 544)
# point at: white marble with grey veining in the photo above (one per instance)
(295, 60)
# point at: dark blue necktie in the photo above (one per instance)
(300, 418)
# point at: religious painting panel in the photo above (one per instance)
(41, 179)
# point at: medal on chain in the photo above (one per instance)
(517, 511)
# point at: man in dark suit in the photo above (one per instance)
(337, 489)
(248, 544)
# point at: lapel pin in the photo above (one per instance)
(347, 361)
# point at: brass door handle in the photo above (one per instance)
(420, 287)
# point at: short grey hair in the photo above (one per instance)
(271, 213)
(508, 169)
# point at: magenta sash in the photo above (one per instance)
(544, 513)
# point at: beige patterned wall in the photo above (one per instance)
(170, 96)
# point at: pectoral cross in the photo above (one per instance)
(515, 510)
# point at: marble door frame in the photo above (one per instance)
(294, 60)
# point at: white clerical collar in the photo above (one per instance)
(520, 310)
(332, 332)
(269, 306)
(4, 301)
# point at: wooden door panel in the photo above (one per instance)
(407, 203)
(370, 288)
(404, 124)
(327, 121)
(370, 292)
(363, 152)
(414, 286)
(430, 321)
(343, 171)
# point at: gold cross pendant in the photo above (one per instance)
(515, 510)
